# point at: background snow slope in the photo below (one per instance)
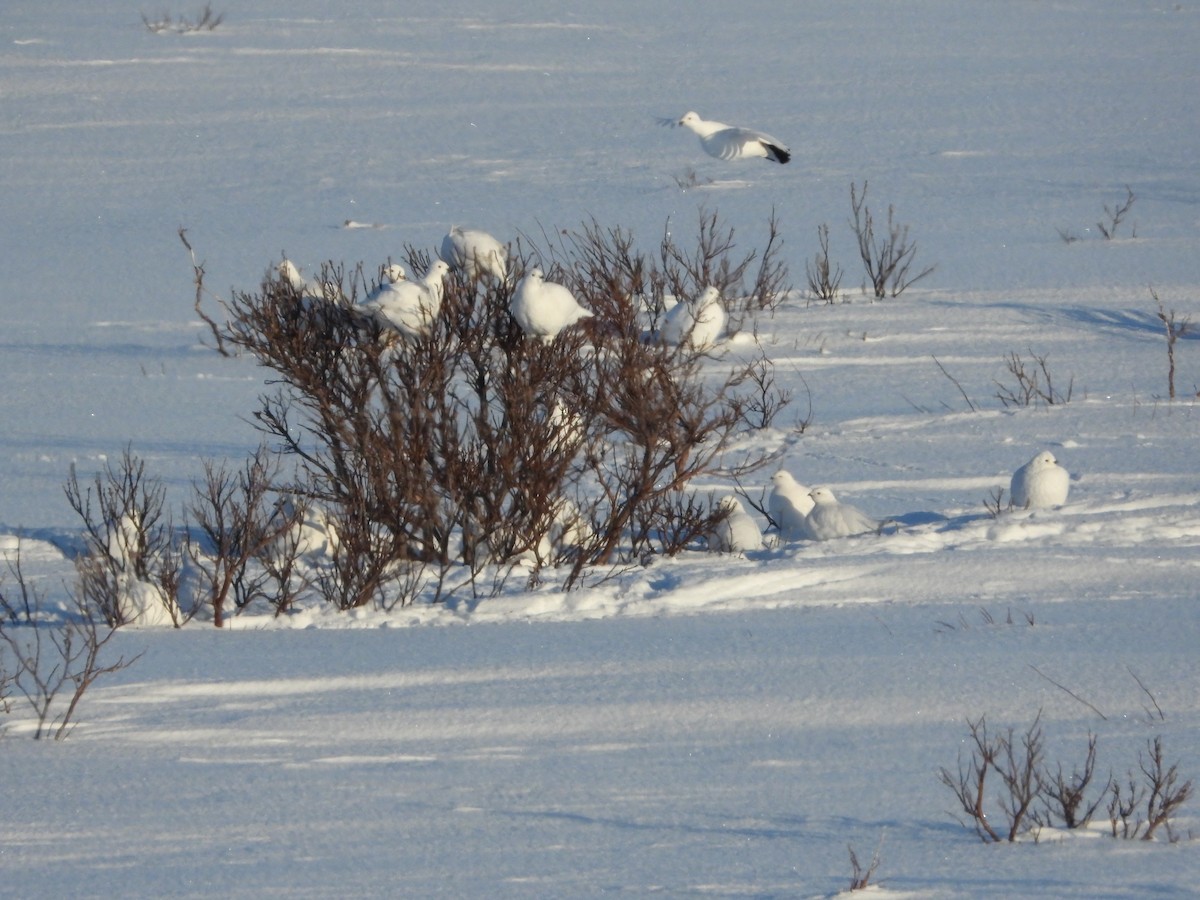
(612, 740)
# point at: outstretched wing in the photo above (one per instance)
(737, 143)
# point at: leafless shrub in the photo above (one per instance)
(1175, 329)
(244, 550)
(765, 399)
(1066, 797)
(1115, 215)
(824, 277)
(860, 878)
(131, 567)
(1034, 385)
(747, 289)
(994, 504)
(1137, 807)
(887, 259)
(51, 664)
(689, 179)
(1159, 788)
(463, 448)
(986, 619)
(206, 20)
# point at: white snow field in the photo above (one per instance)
(707, 725)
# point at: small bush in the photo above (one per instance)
(205, 20)
(1031, 796)
(465, 448)
(1034, 385)
(887, 258)
(49, 663)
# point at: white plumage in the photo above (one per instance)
(1040, 483)
(737, 532)
(730, 142)
(789, 506)
(543, 308)
(309, 290)
(697, 323)
(308, 531)
(392, 274)
(829, 519)
(475, 253)
(409, 307)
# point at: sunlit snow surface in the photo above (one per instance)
(707, 725)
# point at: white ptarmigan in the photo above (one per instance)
(309, 290)
(392, 273)
(1040, 484)
(543, 308)
(730, 142)
(410, 307)
(789, 506)
(736, 532)
(475, 253)
(696, 323)
(829, 519)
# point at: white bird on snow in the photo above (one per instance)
(829, 519)
(410, 307)
(789, 505)
(730, 142)
(736, 532)
(475, 253)
(543, 308)
(696, 324)
(1040, 483)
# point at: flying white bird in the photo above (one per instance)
(729, 142)
(736, 532)
(543, 308)
(1040, 483)
(696, 324)
(829, 519)
(409, 307)
(475, 253)
(789, 506)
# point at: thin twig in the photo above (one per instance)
(1157, 708)
(1069, 691)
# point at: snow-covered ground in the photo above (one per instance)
(705, 725)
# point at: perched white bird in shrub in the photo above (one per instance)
(475, 253)
(410, 307)
(543, 308)
(829, 519)
(737, 532)
(1040, 484)
(730, 142)
(696, 323)
(789, 506)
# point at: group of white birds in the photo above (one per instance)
(803, 515)
(541, 308)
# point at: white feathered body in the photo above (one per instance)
(731, 142)
(829, 519)
(410, 307)
(475, 253)
(737, 532)
(1040, 484)
(789, 506)
(698, 323)
(543, 308)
